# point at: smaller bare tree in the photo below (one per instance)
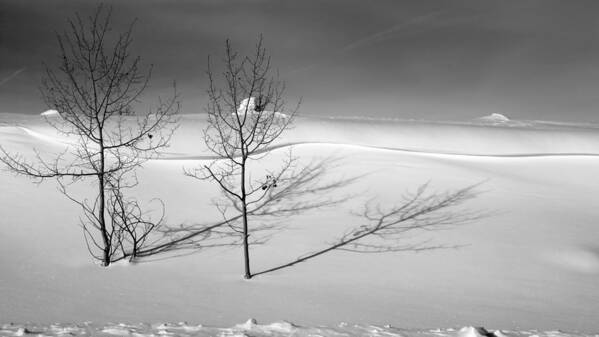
(246, 115)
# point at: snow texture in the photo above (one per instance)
(532, 265)
(277, 329)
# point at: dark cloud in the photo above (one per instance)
(529, 59)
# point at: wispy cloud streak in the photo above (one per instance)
(388, 33)
(371, 39)
(11, 76)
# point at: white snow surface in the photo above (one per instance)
(529, 269)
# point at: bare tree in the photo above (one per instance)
(246, 115)
(95, 90)
(386, 230)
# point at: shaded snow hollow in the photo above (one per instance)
(252, 328)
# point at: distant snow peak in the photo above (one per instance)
(50, 112)
(495, 118)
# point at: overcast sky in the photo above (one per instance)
(424, 59)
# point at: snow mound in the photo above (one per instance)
(50, 112)
(470, 331)
(248, 325)
(499, 333)
(249, 105)
(117, 331)
(285, 327)
(174, 329)
(22, 331)
(276, 327)
(495, 118)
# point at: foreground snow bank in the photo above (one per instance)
(252, 328)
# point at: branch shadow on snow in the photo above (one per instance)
(377, 229)
(291, 190)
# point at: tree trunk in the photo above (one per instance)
(246, 246)
(101, 209)
(134, 253)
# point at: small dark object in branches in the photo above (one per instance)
(271, 182)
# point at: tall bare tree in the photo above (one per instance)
(95, 89)
(246, 115)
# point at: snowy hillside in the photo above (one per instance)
(532, 265)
